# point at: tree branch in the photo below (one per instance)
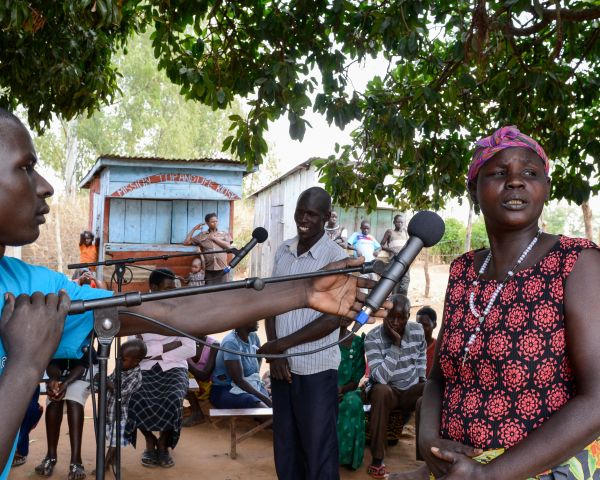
(548, 15)
(559, 34)
(572, 15)
(479, 14)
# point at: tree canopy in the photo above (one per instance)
(456, 71)
(147, 117)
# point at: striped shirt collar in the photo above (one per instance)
(315, 251)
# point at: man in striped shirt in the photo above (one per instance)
(397, 360)
(304, 388)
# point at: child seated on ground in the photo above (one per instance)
(132, 353)
(200, 368)
(196, 276)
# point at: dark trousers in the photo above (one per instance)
(402, 286)
(383, 400)
(32, 417)
(417, 426)
(304, 427)
(214, 277)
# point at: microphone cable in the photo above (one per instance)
(267, 356)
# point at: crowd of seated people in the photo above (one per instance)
(385, 369)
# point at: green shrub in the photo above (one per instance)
(453, 241)
(479, 237)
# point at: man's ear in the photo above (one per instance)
(549, 182)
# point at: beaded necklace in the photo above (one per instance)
(488, 308)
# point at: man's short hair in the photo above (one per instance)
(9, 117)
(160, 275)
(399, 299)
(430, 312)
(321, 194)
(135, 346)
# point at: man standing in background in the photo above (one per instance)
(392, 242)
(304, 388)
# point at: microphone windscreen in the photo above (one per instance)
(428, 226)
(260, 234)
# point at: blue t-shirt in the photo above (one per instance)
(18, 277)
(365, 245)
(250, 365)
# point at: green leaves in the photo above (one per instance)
(454, 75)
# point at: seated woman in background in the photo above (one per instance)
(236, 379)
(157, 406)
(201, 367)
(515, 378)
(351, 415)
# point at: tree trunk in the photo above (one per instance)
(426, 270)
(587, 220)
(469, 226)
(58, 235)
(71, 151)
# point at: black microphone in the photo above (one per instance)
(425, 229)
(259, 235)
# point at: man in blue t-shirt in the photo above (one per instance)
(35, 300)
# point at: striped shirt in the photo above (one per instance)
(400, 367)
(288, 262)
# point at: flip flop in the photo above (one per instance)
(165, 460)
(150, 459)
(46, 467)
(19, 460)
(76, 472)
(377, 472)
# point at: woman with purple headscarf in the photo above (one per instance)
(514, 391)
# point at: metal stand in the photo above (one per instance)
(106, 326)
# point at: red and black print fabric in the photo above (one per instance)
(518, 372)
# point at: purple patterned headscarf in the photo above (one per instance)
(502, 138)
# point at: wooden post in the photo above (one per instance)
(232, 451)
(426, 270)
(587, 220)
(469, 225)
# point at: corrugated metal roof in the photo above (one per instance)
(302, 166)
(111, 156)
(111, 159)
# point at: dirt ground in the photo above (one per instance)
(203, 450)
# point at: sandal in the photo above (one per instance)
(165, 460)
(150, 459)
(46, 468)
(76, 472)
(19, 460)
(377, 472)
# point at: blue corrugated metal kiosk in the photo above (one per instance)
(143, 206)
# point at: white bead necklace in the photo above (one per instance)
(488, 308)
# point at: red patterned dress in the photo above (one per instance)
(518, 372)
